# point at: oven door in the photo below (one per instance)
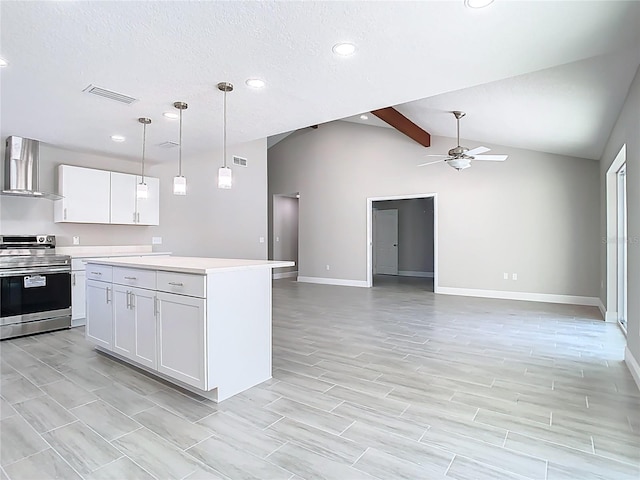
(30, 294)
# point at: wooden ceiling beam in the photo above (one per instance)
(403, 125)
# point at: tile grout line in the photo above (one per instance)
(360, 456)
(449, 466)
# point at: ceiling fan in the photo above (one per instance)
(460, 157)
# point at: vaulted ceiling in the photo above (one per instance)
(550, 76)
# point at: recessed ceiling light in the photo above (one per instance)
(364, 117)
(477, 3)
(255, 83)
(171, 115)
(3, 62)
(118, 138)
(344, 49)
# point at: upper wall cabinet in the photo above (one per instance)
(86, 195)
(99, 196)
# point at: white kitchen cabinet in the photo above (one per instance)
(100, 196)
(78, 297)
(123, 198)
(181, 338)
(99, 328)
(86, 194)
(134, 324)
(124, 329)
(148, 209)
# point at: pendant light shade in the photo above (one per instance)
(142, 190)
(179, 182)
(225, 179)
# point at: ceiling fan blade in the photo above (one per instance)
(436, 155)
(477, 151)
(430, 163)
(492, 158)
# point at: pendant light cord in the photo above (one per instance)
(224, 130)
(144, 146)
(180, 151)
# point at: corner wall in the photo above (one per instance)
(626, 131)
(535, 214)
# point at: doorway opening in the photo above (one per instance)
(616, 241)
(402, 240)
(284, 243)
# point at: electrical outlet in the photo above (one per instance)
(76, 240)
(514, 276)
(506, 276)
(277, 239)
(156, 240)
(261, 239)
(328, 268)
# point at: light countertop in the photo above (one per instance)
(197, 265)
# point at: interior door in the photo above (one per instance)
(385, 243)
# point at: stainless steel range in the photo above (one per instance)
(35, 286)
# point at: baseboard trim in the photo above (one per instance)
(633, 366)
(334, 281)
(410, 273)
(529, 297)
(603, 310)
(277, 276)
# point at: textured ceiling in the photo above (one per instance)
(161, 52)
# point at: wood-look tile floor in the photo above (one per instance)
(392, 382)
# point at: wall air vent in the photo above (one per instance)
(169, 144)
(241, 162)
(109, 94)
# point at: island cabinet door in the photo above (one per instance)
(181, 338)
(99, 328)
(123, 322)
(143, 304)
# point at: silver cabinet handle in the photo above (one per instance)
(177, 284)
(108, 290)
(128, 300)
(155, 306)
(65, 213)
(132, 303)
(96, 273)
(134, 217)
(138, 217)
(73, 279)
(130, 278)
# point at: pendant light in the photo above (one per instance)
(142, 190)
(179, 182)
(224, 172)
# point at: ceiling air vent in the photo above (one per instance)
(241, 162)
(169, 144)
(111, 95)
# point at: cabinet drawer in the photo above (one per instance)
(182, 283)
(102, 273)
(135, 277)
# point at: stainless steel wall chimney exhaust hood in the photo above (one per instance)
(21, 169)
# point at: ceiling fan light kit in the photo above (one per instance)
(460, 157)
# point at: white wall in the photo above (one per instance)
(213, 222)
(626, 131)
(415, 233)
(285, 231)
(206, 222)
(535, 214)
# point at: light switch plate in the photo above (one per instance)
(261, 239)
(156, 240)
(76, 240)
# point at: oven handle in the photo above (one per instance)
(33, 271)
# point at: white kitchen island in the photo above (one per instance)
(201, 323)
